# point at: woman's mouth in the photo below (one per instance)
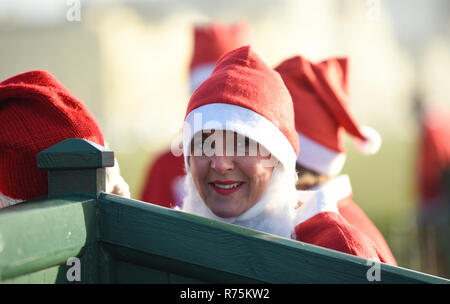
(226, 187)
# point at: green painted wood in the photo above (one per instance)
(75, 153)
(119, 240)
(193, 272)
(138, 242)
(131, 273)
(83, 181)
(45, 276)
(43, 233)
(76, 166)
(177, 279)
(229, 249)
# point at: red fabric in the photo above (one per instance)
(434, 154)
(36, 112)
(332, 231)
(213, 40)
(355, 216)
(320, 95)
(158, 186)
(241, 78)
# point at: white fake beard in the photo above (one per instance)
(273, 213)
(6, 201)
(115, 183)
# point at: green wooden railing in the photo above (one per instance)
(81, 234)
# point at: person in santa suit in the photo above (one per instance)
(320, 96)
(240, 146)
(163, 183)
(36, 112)
(433, 165)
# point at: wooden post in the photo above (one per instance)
(76, 165)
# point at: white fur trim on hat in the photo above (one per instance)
(372, 143)
(199, 74)
(221, 116)
(319, 158)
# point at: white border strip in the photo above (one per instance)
(319, 158)
(221, 116)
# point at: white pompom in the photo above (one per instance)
(372, 143)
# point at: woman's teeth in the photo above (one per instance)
(231, 186)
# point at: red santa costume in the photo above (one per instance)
(164, 184)
(36, 112)
(245, 96)
(319, 93)
(434, 157)
(434, 199)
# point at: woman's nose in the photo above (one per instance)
(222, 164)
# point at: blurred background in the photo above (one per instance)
(129, 62)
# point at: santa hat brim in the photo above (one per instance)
(319, 158)
(221, 116)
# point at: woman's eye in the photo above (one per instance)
(242, 146)
(197, 148)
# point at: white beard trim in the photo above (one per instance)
(115, 183)
(6, 201)
(273, 213)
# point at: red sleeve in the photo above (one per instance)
(158, 184)
(332, 231)
(356, 217)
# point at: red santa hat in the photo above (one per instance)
(212, 41)
(320, 96)
(244, 95)
(36, 112)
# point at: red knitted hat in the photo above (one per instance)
(320, 95)
(212, 41)
(244, 95)
(36, 112)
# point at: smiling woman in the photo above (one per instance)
(230, 184)
(240, 153)
(240, 147)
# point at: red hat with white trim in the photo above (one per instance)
(246, 96)
(320, 96)
(36, 112)
(212, 41)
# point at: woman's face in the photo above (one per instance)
(229, 172)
